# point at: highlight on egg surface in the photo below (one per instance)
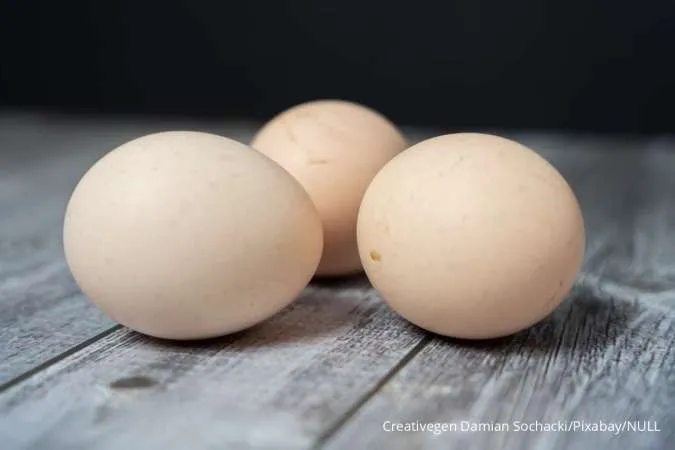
(188, 235)
(471, 235)
(334, 149)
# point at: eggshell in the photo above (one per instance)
(471, 235)
(334, 149)
(189, 235)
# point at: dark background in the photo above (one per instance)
(593, 65)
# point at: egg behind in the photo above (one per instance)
(334, 149)
(189, 235)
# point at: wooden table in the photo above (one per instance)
(338, 369)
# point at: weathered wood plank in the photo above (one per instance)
(42, 312)
(278, 385)
(295, 380)
(605, 355)
(593, 360)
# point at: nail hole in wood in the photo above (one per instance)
(138, 382)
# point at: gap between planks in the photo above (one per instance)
(333, 429)
(293, 377)
(71, 351)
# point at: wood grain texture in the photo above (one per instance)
(607, 354)
(329, 370)
(42, 312)
(279, 385)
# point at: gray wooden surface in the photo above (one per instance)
(330, 370)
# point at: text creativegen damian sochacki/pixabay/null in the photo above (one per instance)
(564, 426)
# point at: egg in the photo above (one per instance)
(471, 236)
(188, 235)
(334, 149)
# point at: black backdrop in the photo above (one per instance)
(595, 65)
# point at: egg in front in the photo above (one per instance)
(189, 235)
